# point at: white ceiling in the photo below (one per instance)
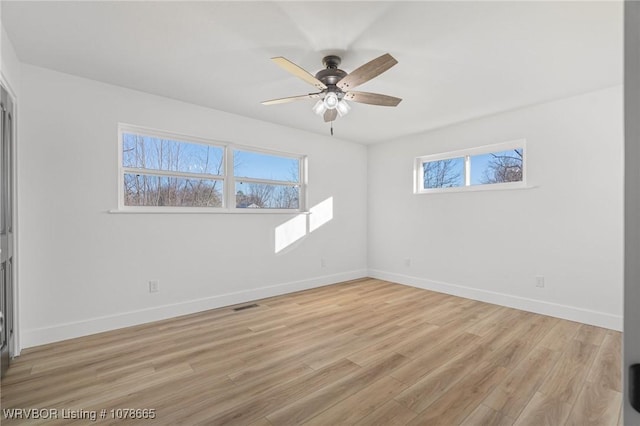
(457, 60)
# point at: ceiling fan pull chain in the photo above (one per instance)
(332, 128)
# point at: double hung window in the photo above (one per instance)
(163, 171)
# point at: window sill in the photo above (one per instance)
(204, 211)
(475, 188)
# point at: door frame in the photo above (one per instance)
(15, 347)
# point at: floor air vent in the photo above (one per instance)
(242, 308)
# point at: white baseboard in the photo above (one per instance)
(586, 316)
(56, 333)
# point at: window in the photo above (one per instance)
(163, 171)
(489, 167)
(447, 173)
(158, 171)
(266, 181)
(497, 167)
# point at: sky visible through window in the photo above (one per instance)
(264, 166)
(492, 167)
(165, 171)
(147, 152)
(257, 165)
(479, 166)
(497, 167)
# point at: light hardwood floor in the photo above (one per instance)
(366, 352)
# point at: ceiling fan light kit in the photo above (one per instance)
(335, 85)
(331, 100)
(343, 108)
(319, 108)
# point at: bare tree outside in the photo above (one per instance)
(268, 195)
(146, 189)
(254, 195)
(504, 167)
(443, 173)
(287, 197)
(165, 172)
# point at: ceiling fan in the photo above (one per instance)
(335, 85)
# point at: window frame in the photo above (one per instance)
(227, 177)
(301, 184)
(466, 154)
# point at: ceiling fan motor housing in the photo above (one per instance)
(331, 75)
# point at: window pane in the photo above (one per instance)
(147, 152)
(149, 190)
(444, 173)
(264, 196)
(263, 166)
(497, 167)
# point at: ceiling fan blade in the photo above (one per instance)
(330, 115)
(291, 99)
(367, 71)
(372, 98)
(299, 72)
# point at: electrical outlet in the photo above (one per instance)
(323, 262)
(540, 281)
(154, 286)
(407, 262)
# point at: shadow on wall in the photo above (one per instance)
(303, 224)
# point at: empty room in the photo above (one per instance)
(319, 213)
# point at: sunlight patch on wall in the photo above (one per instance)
(320, 214)
(290, 232)
(296, 228)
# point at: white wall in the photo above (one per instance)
(85, 270)
(490, 245)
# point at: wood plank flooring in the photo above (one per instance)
(365, 352)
